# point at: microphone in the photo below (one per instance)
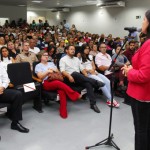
(133, 29)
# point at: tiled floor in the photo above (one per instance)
(83, 127)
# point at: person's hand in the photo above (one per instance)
(71, 79)
(85, 74)
(127, 63)
(1, 90)
(92, 72)
(50, 70)
(126, 69)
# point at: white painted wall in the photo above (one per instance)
(35, 15)
(109, 20)
(53, 18)
(106, 20)
(13, 12)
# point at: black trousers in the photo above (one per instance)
(14, 98)
(87, 83)
(141, 116)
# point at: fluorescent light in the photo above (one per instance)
(99, 4)
(68, 5)
(37, 1)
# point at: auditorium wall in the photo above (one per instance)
(103, 20)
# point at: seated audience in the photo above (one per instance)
(33, 47)
(137, 46)
(51, 50)
(5, 57)
(119, 63)
(130, 52)
(121, 59)
(43, 69)
(26, 56)
(87, 38)
(14, 98)
(94, 51)
(2, 42)
(13, 52)
(6, 37)
(70, 67)
(103, 60)
(89, 66)
(61, 47)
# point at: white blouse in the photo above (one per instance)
(5, 62)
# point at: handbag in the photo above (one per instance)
(55, 76)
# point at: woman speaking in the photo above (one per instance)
(139, 89)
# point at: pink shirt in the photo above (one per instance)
(139, 76)
(103, 59)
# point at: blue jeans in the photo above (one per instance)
(106, 88)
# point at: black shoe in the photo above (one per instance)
(19, 127)
(95, 108)
(100, 84)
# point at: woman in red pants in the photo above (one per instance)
(43, 69)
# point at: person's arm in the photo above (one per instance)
(40, 73)
(83, 69)
(5, 80)
(103, 68)
(13, 60)
(36, 59)
(18, 58)
(93, 70)
(93, 65)
(99, 64)
(117, 62)
(141, 75)
(63, 70)
(84, 72)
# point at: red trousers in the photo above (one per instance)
(63, 90)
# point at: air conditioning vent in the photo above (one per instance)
(112, 4)
(60, 9)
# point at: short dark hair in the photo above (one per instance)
(131, 42)
(101, 44)
(68, 46)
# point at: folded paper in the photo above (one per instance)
(29, 87)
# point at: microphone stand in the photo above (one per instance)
(108, 141)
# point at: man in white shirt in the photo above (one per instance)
(14, 98)
(70, 67)
(103, 60)
(66, 25)
(32, 44)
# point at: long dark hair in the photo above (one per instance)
(4, 47)
(84, 56)
(50, 47)
(147, 15)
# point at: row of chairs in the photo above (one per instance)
(20, 74)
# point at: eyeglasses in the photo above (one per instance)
(102, 47)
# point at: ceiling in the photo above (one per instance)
(48, 4)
